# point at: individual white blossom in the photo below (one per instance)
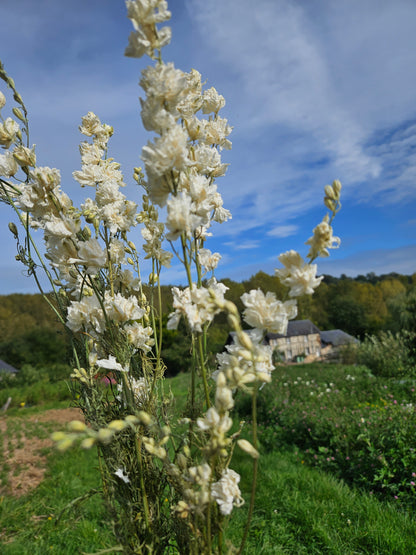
(139, 336)
(8, 165)
(24, 156)
(298, 275)
(208, 260)
(226, 491)
(86, 313)
(117, 252)
(166, 153)
(111, 363)
(265, 312)
(8, 131)
(122, 474)
(140, 390)
(2, 100)
(90, 255)
(213, 421)
(212, 101)
(121, 309)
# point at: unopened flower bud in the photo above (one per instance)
(19, 115)
(329, 192)
(88, 442)
(13, 229)
(117, 425)
(336, 186)
(245, 340)
(132, 245)
(105, 435)
(330, 203)
(77, 426)
(130, 261)
(145, 418)
(153, 279)
(233, 321)
(2, 100)
(248, 448)
(58, 436)
(65, 444)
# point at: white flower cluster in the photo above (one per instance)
(146, 38)
(110, 206)
(297, 274)
(266, 312)
(196, 304)
(183, 161)
(242, 366)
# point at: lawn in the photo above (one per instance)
(303, 506)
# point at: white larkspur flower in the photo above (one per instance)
(181, 217)
(86, 313)
(298, 275)
(90, 255)
(91, 125)
(121, 309)
(226, 491)
(322, 240)
(167, 152)
(140, 389)
(212, 102)
(8, 131)
(139, 336)
(8, 165)
(265, 312)
(214, 422)
(121, 473)
(111, 363)
(117, 252)
(196, 304)
(25, 156)
(208, 259)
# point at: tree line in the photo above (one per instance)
(31, 334)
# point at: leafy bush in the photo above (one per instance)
(345, 421)
(389, 354)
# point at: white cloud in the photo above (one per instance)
(243, 245)
(282, 231)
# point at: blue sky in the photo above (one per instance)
(316, 90)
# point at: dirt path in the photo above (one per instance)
(23, 442)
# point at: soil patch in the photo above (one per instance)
(23, 445)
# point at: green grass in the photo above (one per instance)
(299, 510)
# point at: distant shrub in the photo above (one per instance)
(388, 354)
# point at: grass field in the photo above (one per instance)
(300, 509)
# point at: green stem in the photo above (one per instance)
(255, 470)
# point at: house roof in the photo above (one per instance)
(4, 367)
(337, 337)
(295, 328)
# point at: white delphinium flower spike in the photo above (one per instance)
(322, 240)
(298, 275)
(265, 312)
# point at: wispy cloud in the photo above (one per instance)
(243, 245)
(282, 231)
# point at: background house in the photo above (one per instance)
(333, 341)
(302, 341)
